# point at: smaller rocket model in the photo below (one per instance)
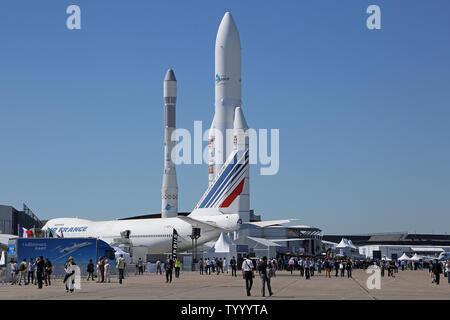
(169, 190)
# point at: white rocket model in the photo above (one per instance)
(228, 138)
(169, 190)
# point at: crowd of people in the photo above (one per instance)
(35, 271)
(38, 271)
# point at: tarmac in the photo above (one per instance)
(406, 285)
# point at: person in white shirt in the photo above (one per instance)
(291, 264)
(14, 270)
(107, 273)
(247, 274)
(208, 266)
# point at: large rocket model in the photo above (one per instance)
(228, 135)
(227, 90)
(169, 190)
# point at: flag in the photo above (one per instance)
(25, 233)
(60, 236)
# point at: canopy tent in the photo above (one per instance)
(416, 257)
(350, 243)
(404, 257)
(386, 259)
(3, 259)
(119, 251)
(346, 244)
(223, 244)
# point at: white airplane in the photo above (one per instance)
(68, 250)
(73, 248)
(215, 213)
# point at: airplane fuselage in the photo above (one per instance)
(155, 234)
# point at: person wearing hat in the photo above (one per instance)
(69, 278)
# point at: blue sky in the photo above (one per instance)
(364, 116)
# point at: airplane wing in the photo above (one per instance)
(269, 223)
(4, 238)
(201, 224)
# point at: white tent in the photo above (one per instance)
(3, 259)
(119, 251)
(416, 257)
(386, 259)
(223, 244)
(343, 244)
(350, 243)
(404, 257)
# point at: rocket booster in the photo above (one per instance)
(169, 190)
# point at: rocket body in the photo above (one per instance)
(227, 88)
(169, 190)
(228, 135)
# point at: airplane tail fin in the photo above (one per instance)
(227, 186)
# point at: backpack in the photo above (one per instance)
(22, 267)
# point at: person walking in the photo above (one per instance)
(69, 278)
(168, 266)
(291, 264)
(200, 266)
(265, 274)
(107, 271)
(140, 265)
(225, 265)
(274, 267)
(233, 265)
(326, 265)
(208, 266)
(437, 270)
(349, 268)
(101, 270)
(307, 268)
(247, 274)
(177, 267)
(342, 268)
(48, 268)
(31, 269)
(121, 264)
(40, 266)
(312, 266)
(447, 270)
(90, 270)
(301, 266)
(14, 271)
(23, 272)
(221, 265)
(158, 267)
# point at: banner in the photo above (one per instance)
(174, 244)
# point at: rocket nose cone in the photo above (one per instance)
(228, 31)
(239, 119)
(170, 76)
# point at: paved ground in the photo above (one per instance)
(406, 285)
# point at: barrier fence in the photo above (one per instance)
(58, 272)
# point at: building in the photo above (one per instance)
(273, 239)
(11, 219)
(394, 245)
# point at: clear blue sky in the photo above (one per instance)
(364, 116)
